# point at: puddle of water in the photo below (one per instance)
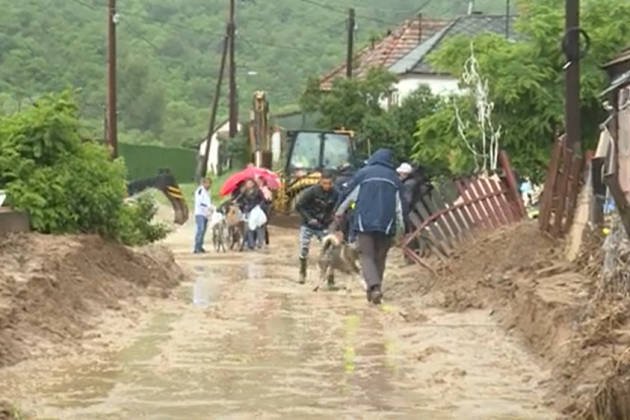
(201, 292)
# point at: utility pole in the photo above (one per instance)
(233, 127)
(350, 52)
(507, 19)
(215, 103)
(112, 123)
(572, 75)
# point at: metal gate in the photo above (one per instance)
(458, 208)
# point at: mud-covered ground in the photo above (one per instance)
(242, 340)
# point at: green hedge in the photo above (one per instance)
(143, 161)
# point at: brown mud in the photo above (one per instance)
(243, 340)
(522, 279)
(55, 288)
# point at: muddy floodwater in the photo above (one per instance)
(243, 340)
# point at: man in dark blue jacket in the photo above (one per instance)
(380, 210)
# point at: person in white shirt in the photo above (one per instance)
(203, 209)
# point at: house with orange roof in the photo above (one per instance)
(405, 52)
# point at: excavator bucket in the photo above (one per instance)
(289, 221)
(176, 198)
(164, 182)
(284, 214)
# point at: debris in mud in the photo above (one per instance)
(8, 412)
(560, 309)
(52, 286)
(428, 352)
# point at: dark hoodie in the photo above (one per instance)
(377, 192)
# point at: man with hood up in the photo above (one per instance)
(380, 209)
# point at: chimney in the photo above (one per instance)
(419, 28)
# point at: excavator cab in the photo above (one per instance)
(310, 152)
(164, 182)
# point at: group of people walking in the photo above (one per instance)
(251, 194)
(368, 211)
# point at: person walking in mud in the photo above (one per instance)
(416, 185)
(380, 209)
(251, 198)
(203, 209)
(316, 205)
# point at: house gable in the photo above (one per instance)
(416, 61)
(389, 50)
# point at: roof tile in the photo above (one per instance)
(470, 26)
(390, 49)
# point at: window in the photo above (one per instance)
(337, 151)
(394, 98)
(306, 151)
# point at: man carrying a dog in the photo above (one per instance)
(380, 209)
(316, 205)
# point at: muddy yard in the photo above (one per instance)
(240, 339)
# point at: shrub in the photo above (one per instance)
(65, 184)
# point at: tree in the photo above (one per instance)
(66, 184)
(527, 81)
(395, 128)
(177, 45)
(350, 103)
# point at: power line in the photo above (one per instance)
(341, 10)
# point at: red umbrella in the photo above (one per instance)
(271, 179)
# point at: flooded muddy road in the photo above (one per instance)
(243, 340)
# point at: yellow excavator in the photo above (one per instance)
(304, 154)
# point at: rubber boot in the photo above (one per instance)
(303, 263)
(374, 295)
(331, 282)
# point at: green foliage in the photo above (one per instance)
(395, 128)
(437, 144)
(135, 222)
(350, 103)
(143, 161)
(527, 81)
(65, 184)
(169, 52)
(236, 151)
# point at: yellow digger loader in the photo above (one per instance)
(304, 154)
(309, 152)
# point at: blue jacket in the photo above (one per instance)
(377, 192)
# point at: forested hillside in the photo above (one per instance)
(169, 51)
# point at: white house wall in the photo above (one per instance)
(213, 160)
(439, 85)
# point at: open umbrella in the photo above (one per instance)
(271, 179)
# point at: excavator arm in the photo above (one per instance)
(164, 182)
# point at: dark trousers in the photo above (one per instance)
(374, 248)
